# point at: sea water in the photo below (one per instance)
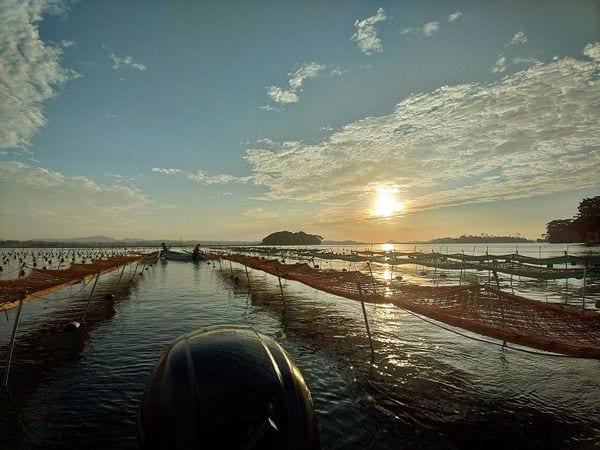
(426, 387)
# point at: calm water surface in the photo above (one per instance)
(426, 388)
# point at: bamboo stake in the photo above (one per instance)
(281, 289)
(364, 310)
(89, 299)
(14, 333)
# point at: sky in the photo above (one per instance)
(363, 120)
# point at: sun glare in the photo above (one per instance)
(387, 247)
(386, 204)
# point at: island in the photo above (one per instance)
(483, 238)
(290, 238)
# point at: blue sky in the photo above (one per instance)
(353, 120)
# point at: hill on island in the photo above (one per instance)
(289, 238)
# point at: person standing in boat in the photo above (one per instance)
(197, 254)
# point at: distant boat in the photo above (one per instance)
(182, 255)
(176, 255)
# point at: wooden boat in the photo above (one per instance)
(176, 255)
(181, 255)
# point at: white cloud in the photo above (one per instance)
(269, 108)
(260, 214)
(283, 96)
(592, 51)
(166, 171)
(43, 202)
(518, 38)
(430, 28)
(452, 17)
(337, 72)
(126, 61)
(499, 65)
(203, 176)
(410, 30)
(532, 132)
(525, 61)
(297, 79)
(365, 34)
(31, 70)
(67, 44)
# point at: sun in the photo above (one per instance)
(386, 204)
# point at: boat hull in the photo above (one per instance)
(176, 256)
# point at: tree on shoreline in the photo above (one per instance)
(587, 220)
(584, 227)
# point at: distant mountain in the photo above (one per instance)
(289, 238)
(83, 240)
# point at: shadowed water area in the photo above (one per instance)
(426, 387)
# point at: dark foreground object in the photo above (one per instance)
(227, 388)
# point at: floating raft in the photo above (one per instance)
(40, 282)
(477, 308)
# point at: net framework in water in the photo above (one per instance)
(473, 307)
(41, 282)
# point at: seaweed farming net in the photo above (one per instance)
(477, 308)
(43, 281)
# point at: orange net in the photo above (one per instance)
(39, 282)
(473, 307)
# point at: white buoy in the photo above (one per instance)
(73, 326)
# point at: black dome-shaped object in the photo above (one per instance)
(227, 388)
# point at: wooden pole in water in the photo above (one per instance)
(14, 333)
(119, 280)
(135, 270)
(511, 276)
(231, 268)
(584, 280)
(89, 299)
(434, 267)
(247, 276)
(364, 310)
(281, 288)
(12, 343)
(496, 275)
(372, 277)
